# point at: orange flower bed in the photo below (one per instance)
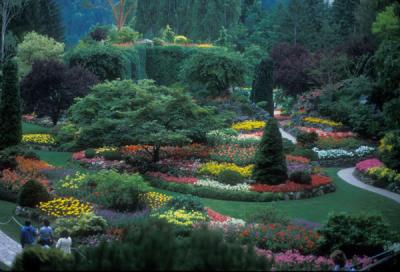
(31, 166)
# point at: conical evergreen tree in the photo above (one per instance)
(10, 107)
(270, 167)
(263, 85)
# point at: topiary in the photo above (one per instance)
(307, 139)
(32, 193)
(90, 153)
(389, 150)
(270, 167)
(230, 177)
(301, 177)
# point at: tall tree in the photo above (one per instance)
(270, 167)
(9, 9)
(121, 11)
(10, 107)
(263, 85)
(343, 14)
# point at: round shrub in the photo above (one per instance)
(230, 177)
(188, 202)
(32, 193)
(301, 177)
(307, 139)
(90, 153)
(158, 42)
(99, 34)
(389, 150)
(86, 225)
(112, 155)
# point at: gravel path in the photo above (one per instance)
(347, 175)
(8, 249)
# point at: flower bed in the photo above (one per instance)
(290, 186)
(320, 121)
(365, 165)
(65, 207)
(324, 134)
(39, 139)
(214, 169)
(248, 125)
(360, 152)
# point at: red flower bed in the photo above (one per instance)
(215, 216)
(290, 186)
(323, 134)
(168, 178)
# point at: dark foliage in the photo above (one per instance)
(32, 193)
(263, 85)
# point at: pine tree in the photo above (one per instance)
(263, 85)
(270, 167)
(10, 107)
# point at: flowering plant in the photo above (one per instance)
(155, 200)
(342, 153)
(65, 207)
(181, 217)
(248, 125)
(242, 187)
(169, 178)
(325, 134)
(215, 168)
(45, 139)
(234, 154)
(290, 186)
(364, 166)
(315, 120)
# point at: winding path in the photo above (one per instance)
(347, 175)
(8, 249)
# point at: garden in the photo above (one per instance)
(156, 145)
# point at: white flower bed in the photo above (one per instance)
(341, 153)
(243, 187)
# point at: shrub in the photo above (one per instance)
(288, 146)
(269, 215)
(99, 34)
(230, 177)
(187, 202)
(158, 42)
(305, 152)
(180, 39)
(360, 234)
(111, 155)
(32, 193)
(301, 177)
(90, 153)
(389, 150)
(85, 225)
(270, 167)
(125, 35)
(42, 259)
(307, 139)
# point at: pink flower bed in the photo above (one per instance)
(80, 156)
(168, 178)
(324, 134)
(363, 166)
(294, 261)
(256, 134)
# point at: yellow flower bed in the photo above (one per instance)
(385, 174)
(155, 200)
(205, 45)
(248, 125)
(38, 139)
(215, 168)
(72, 182)
(316, 120)
(105, 149)
(65, 207)
(182, 217)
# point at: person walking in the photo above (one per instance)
(46, 234)
(28, 234)
(65, 242)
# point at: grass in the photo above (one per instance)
(347, 199)
(28, 128)
(60, 159)
(6, 211)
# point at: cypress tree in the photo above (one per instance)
(270, 167)
(10, 107)
(263, 85)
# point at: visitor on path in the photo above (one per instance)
(28, 234)
(65, 242)
(339, 259)
(46, 234)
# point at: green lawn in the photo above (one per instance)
(6, 211)
(28, 128)
(60, 159)
(347, 198)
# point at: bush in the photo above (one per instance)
(187, 202)
(307, 139)
(32, 193)
(125, 35)
(269, 215)
(305, 152)
(270, 167)
(301, 177)
(99, 34)
(106, 62)
(355, 235)
(230, 177)
(158, 42)
(288, 146)
(112, 155)
(181, 40)
(86, 225)
(389, 150)
(90, 153)
(42, 259)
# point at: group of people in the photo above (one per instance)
(44, 237)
